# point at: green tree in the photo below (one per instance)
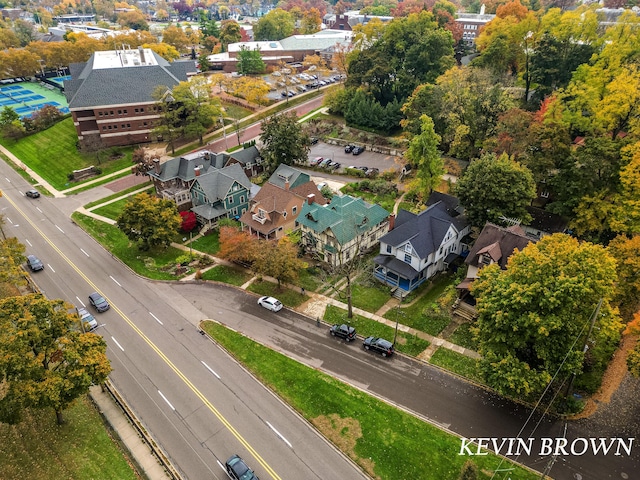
(149, 221)
(284, 141)
(275, 25)
(45, 361)
(250, 61)
(424, 155)
(7, 116)
(175, 37)
(229, 33)
(534, 316)
(495, 187)
(626, 251)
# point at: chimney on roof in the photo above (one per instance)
(197, 170)
(286, 184)
(156, 165)
(311, 198)
(392, 222)
(142, 60)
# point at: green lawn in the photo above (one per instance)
(129, 190)
(309, 279)
(155, 264)
(405, 343)
(369, 297)
(288, 297)
(81, 449)
(209, 243)
(462, 336)
(457, 363)
(52, 153)
(386, 442)
(112, 210)
(226, 274)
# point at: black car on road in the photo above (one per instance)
(98, 302)
(32, 193)
(34, 263)
(238, 470)
(380, 345)
(348, 148)
(357, 150)
(343, 331)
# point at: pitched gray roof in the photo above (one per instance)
(246, 155)
(425, 230)
(118, 86)
(216, 183)
(284, 173)
(185, 167)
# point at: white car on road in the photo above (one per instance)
(270, 303)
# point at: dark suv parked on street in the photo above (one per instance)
(380, 345)
(343, 331)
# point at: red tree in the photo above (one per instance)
(189, 221)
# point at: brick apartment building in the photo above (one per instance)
(110, 96)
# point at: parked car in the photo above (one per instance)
(357, 150)
(325, 163)
(322, 83)
(363, 168)
(301, 88)
(238, 470)
(291, 93)
(380, 345)
(316, 161)
(334, 165)
(343, 331)
(99, 302)
(32, 193)
(270, 303)
(372, 172)
(321, 185)
(314, 140)
(349, 148)
(87, 319)
(34, 263)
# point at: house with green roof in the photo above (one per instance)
(341, 230)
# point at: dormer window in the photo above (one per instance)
(408, 249)
(294, 210)
(284, 214)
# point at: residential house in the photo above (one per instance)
(273, 211)
(342, 229)
(544, 223)
(174, 178)
(250, 160)
(495, 244)
(220, 194)
(420, 245)
(111, 95)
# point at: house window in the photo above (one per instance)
(407, 258)
(125, 111)
(119, 112)
(388, 248)
(135, 110)
(544, 194)
(99, 114)
(242, 199)
(294, 210)
(231, 200)
(110, 112)
(141, 109)
(407, 248)
(284, 214)
(144, 124)
(104, 127)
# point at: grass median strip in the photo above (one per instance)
(386, 442)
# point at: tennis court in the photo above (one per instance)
(27, 97)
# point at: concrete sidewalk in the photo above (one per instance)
(139, 449)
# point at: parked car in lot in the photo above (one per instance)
(343, 331)
(316, 161)
(372, 172)
(32, 193)
(363, 168)
(99, 302)
(314, 140)
(334, 165)
(325, 163)
(349, 148)
(34, 263)
(270, 303)
(357, 150)
(380, 345)
(238, 470)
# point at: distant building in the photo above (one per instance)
(350, 19)
(472, 24)
(290, 49)
(110, 96)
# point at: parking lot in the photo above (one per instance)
(367, 159)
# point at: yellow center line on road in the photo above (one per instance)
(169, 363)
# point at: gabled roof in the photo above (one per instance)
(546, 221)
(92, 87)
(425, 231)
(273, 201)
(185, 167)
(310, 188)
(495, 240)
(216, 184)
(452, 203)
(346, 216)
(246, 155)
(286, 172)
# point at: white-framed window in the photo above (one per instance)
(407, 248)
(407, 258)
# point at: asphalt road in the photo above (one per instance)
(445, 400)
(199, 405)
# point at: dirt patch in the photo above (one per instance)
(344, 433)
(612, 377)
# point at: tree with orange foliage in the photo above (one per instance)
(238, 246)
